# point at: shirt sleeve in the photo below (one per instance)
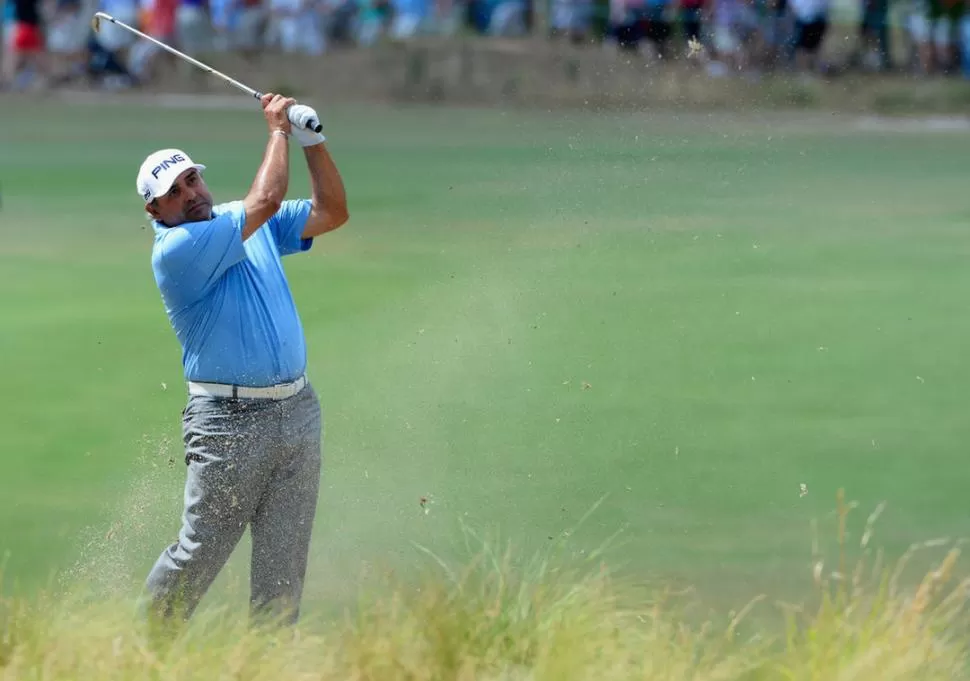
(193, 256)
(288, 224)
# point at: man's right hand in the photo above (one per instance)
(274, 109)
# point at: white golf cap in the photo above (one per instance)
(159, 170)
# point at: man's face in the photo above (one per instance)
(188, 200)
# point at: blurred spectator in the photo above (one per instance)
(692, 19)
(625, 24)
(507, 18)
(50, 41)
(295, 26)
(500, 18)
(408, 18)
(67, 41)
(106, 67)
(764, 41)
(448, 16)
(361, 22)
(736, 25)
(222, 15)
(112, 49)
(874, 35)
(158, 21)
(921, 34)
(247, 27)
(194, 32)
(777, 27)
(571, 19)
(945, 17)
(6, 24)
(811, 23)
(965, 42)
(25, 59)
(657, 27)
(111, 37)
(632, 21)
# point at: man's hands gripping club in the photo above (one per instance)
(329, 200)
(299, 116)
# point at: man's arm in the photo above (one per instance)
(329, 201)
(269, 187)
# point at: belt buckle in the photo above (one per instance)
(294, 387)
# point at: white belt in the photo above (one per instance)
(273, 392)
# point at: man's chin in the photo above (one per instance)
(199, 214)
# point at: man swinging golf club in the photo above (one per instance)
(252, 424)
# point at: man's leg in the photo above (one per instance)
(229, 462)
(283, 521)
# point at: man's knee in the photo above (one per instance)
(184, 571)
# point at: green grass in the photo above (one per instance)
(683, 318)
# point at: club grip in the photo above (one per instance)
(295, 118)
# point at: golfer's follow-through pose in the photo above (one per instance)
(252, 423)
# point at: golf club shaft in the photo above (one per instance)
(232, 81)
(311, 124)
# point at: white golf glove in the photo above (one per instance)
(299, 115)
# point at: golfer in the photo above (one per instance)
(252, 423)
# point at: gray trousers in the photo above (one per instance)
(252, 462)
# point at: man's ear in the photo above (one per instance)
(152, 209)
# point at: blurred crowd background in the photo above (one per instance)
(48, 43)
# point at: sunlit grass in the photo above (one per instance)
(499, 618)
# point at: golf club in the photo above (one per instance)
(311, 124)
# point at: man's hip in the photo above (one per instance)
(266, 427)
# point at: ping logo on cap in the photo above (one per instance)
(166, 163)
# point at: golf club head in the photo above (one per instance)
(96, 23)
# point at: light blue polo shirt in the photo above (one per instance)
(228, 300)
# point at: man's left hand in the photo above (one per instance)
(299, 115)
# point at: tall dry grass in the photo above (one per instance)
(495, 619)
